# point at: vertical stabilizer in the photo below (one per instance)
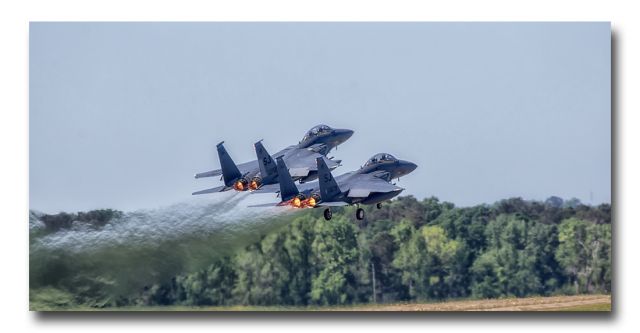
(230, 172)
(288, 188)
(268, 168)
(329, 190)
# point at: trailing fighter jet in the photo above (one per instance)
(301, 158)
(369, 185)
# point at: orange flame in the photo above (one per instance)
(311, 202)
(238, 186)
(253, 185)
(296, 202)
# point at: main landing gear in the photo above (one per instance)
(379, 205)
(327, 214)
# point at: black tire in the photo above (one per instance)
(379, 205)
(360, 214)
(327, 214)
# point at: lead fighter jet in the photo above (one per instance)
(301, 158)
(369, 185)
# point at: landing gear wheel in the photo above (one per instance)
(379, 205)
(327, 214)
(360, 213)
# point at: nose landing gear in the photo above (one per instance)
(379, 205)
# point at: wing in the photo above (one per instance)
(362, 185)
(299, 172)
(311, 187)
(250, 167)
(303, 161)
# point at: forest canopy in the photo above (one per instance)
(409, 250)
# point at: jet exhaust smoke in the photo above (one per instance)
(147, 246)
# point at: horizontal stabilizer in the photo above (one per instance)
(264, 205)
(212, 190)
(269, 188)
(332, 204)
(209, 174)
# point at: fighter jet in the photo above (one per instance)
(316, 143)
(369, 185)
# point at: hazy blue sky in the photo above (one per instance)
(122, 114)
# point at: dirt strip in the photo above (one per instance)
(510, 304)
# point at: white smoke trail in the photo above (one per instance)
(145, 247)
(222, 215)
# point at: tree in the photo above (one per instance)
(554, 201)
(298, 244)
(408, 250)
(335, 249)
(584, 251)
(410, 258)
(508, 267)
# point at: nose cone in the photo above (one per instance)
(342, 135)
(407, 167)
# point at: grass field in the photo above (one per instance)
(588, 307)
(554, 303)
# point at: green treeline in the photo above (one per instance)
(409, 250)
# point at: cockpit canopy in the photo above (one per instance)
(380, 158)
(315, 131)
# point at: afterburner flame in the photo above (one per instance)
(239, 186)
(296, 202)
(311, 202)
(254, 185)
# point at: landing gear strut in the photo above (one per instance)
(360, 213)
(327, 214)
(379, 205)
